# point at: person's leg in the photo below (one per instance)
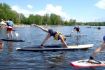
(1, 44)
(8, 33)
(11, 32)
(11, 35)
(91, 58)
(8, 36)
(97, 51)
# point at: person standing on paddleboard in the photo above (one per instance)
(56, 35)
(102, 47)
(10, 28)
(77, 29)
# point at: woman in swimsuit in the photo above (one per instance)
(56, 36)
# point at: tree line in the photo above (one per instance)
(50, 19)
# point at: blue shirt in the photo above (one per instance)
(10, 23)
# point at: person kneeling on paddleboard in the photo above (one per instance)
(97, 50)
(56, 35)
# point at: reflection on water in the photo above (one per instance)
(53, 59)
(10, 59)
(10, 47)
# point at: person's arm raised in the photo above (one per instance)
(46, 30)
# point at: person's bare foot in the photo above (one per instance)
(41, 46)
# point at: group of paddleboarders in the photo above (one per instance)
(96, 51)
(8, 25)
(59, 36)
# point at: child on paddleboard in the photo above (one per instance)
(56, 35)
(98, 50)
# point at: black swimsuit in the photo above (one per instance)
(77, 29)
(53, 33)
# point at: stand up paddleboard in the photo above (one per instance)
(57, 48)
(85, 64)
(12, 40)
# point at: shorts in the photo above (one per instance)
(9, 28)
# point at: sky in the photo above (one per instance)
(81, 10)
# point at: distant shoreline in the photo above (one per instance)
(22, 25)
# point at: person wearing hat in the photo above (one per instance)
(54, 34)
(98, 50)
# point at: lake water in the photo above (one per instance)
(10, 59)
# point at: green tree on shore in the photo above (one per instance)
(50, 19)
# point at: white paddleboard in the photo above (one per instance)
(86, 46)
(81, 46)
(85, 63)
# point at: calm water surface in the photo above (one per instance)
(10, 59)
